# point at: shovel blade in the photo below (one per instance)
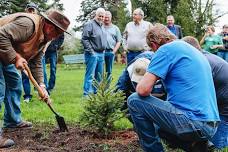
(61, 123)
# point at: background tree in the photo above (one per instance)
(184, 17)
(192, 15)
(154, 10)
(13, 6)
(120, 15)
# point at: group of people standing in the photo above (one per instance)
(216, 43)
(192, 112)
(101, 39)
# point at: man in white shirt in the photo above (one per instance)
(134, 36)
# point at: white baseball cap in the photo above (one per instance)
(137, 69)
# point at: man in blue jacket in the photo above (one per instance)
(30, 8)
(175, 29)
(127, 84)
(131, 75)
(51, 54)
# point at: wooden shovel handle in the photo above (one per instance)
(36, 85)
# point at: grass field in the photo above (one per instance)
(67, 99)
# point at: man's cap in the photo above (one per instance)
(31, 5)
(57, 18)
(138, 68)
(225, 26)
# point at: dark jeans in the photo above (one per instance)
(223, 55)
(109, 59)
(148, 111)
(26, 86)
(220, 139)
(131, 55)
(52, 57)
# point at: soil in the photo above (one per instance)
(45, 139)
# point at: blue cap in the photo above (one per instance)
(31, 5)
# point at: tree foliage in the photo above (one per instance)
(192, 15)
(120, 15)
(154, 10)
(13, 6)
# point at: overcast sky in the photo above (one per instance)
(72, 8)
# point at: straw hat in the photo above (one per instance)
(137, 69)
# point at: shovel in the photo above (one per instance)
(60, 120)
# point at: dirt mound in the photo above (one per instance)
(45, 139)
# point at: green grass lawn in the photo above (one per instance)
(66, 98)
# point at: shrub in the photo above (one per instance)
(102, 109)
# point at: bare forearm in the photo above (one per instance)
(145, 86)
(116, 47)
(202, 40)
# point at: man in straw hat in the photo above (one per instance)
(22, 38)
(219, 69)
(30, 8)
(133, 73)
(190, 113)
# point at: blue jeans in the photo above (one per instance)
(94, 69)
(223, 54)
(131, 55)
(220, 139)
(148, 111)
(52, 57)
(10, 93)
(26, 86)
(109, 59)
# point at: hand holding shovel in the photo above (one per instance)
(41, 89)
(45, 97)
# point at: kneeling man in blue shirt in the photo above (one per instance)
(190, 112)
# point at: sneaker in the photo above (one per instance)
(21, 125)
(5, 143)
(26, 100)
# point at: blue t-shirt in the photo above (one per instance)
(187, 76)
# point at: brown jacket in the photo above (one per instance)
(23, 33)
